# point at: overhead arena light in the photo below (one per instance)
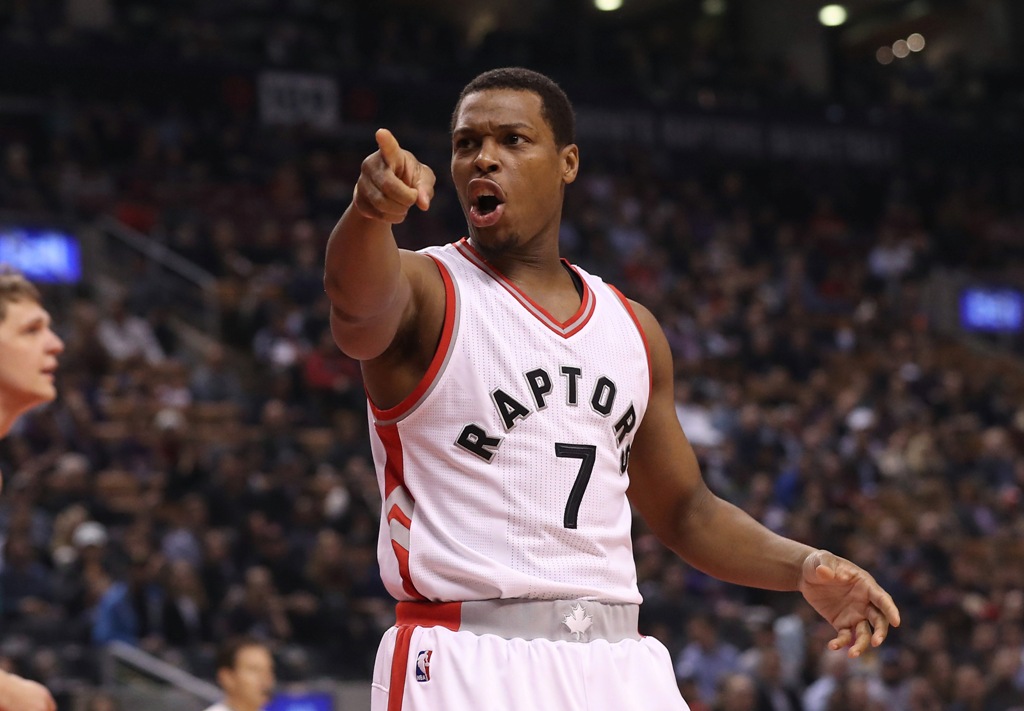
(713, 7)
(607, 5)
(832, 15)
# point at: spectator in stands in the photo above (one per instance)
(128, 338)
(854, 693)
(186, 618)
(706, 658)
(833, 673)
(214, 380)
(26, 585)
(102, 701)
(737, 692)
(968, 689)
(256, 608)
(772, 693)
(245, 671)
(130, 610)
(1003, 692)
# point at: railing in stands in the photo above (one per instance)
(152, 682)
(188, 292)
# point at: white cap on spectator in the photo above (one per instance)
(89, 533)
(861, 418)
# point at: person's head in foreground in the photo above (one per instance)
(245, 670)
(28, 349)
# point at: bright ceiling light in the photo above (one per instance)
(900, 48)
(607, 5)
(713, 7)
(832, 15)
(915, 42)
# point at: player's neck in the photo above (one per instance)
(7, 418)
(533, 264)
(11, 408)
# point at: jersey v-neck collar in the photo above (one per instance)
(565, 329)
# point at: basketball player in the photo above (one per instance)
(245, 670)
(519, 407)
(28, 360)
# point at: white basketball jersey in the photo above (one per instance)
(504, 473)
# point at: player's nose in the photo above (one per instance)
(56, 344)
(485, 161)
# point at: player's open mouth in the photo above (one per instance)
(486, 202)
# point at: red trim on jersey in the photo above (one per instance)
(399, 668)
(403, 568)
(394, 462)
(394, 477)
(440, 355)
(430, 614)
(643, 337)
(396, 513)
(565, 329)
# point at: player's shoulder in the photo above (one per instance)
(645, 319)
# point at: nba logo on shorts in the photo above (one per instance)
(423, 665)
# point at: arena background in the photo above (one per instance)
(828, 221)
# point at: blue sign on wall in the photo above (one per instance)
(43, 255)
(992, 310)
(302, 702)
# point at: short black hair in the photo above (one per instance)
(227, 653)
(555, 105)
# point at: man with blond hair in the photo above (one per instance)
(28, 360)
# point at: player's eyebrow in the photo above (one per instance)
(514, 126)
(37, 321)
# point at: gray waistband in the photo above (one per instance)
(569, 620)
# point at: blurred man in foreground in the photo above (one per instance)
(28, 363)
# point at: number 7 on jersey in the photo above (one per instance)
(587, 454)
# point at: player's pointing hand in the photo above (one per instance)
(391, 181)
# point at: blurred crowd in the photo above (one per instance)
(182, 489)
(682, 53)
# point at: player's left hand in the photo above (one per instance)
(850, 600)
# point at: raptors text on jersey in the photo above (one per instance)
(503, 475)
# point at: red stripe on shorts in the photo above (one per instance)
(399, 668)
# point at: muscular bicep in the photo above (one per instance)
(666, 486)
(418, 291)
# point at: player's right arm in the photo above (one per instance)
(17, 694)
(378, 291)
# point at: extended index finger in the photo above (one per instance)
(389, 147)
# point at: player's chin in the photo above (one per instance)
(46, 392)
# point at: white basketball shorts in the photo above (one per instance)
(464, 657)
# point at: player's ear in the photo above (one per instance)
(570, 155)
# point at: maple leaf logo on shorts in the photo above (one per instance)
(578, 622)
